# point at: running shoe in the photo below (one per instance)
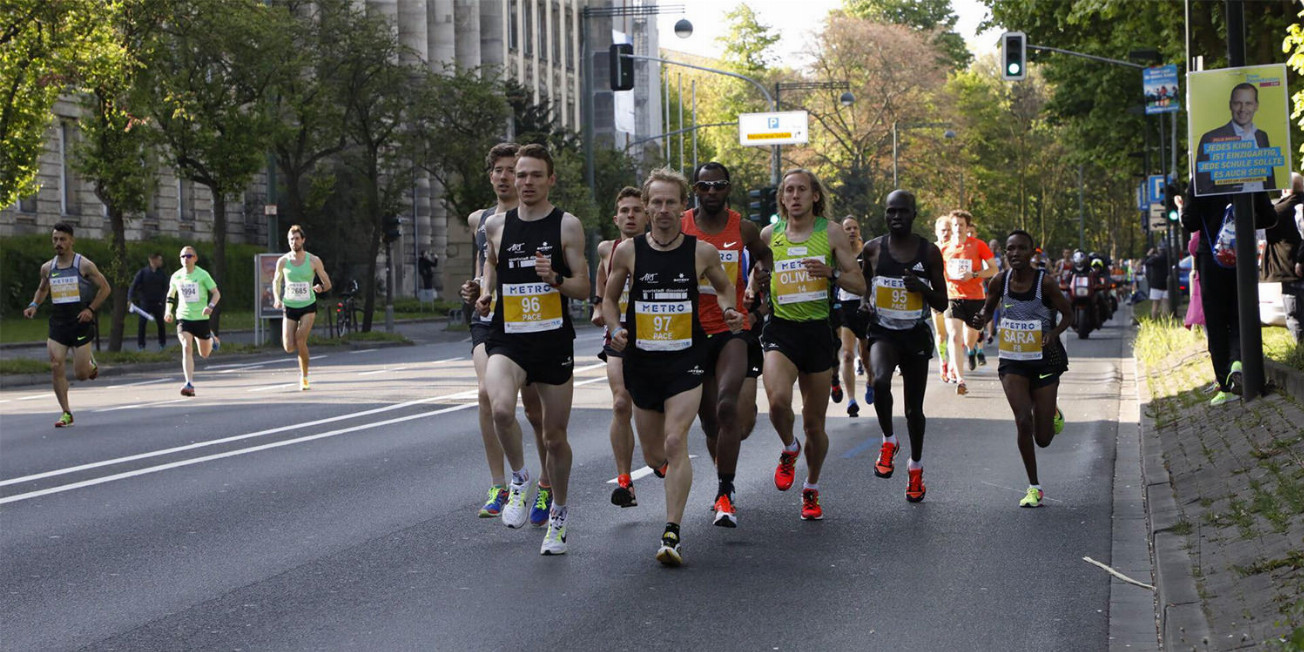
(853, 410)
(836, 395)
(1058, 421)
(982, 358)
(725, 514)
(860, 368)
(946, 371)
(668, 554)
(915, 489)
(1236, 379)
(217, 343)
(95, 371)
(1223, 397)
(786, 472)
(973, 360)
(623, 494)
(303, 383)
(961, 389)
(810, 505)
(660, 471)
(1032, 498)
(188, 390)
(554, 542)
(542, 506)
(497, 498)
(64, 421)
(515, 513)
(869, 395)
(884, 467)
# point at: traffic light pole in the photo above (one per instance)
(1247, 272)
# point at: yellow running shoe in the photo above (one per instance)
(1032, 498)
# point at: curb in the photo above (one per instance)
(1182, 621)
(1286, 379)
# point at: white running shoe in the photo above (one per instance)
(554, 542)
(515, 512)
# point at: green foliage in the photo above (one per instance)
(21, 258)
(46, 48)
(747, 46)
(459, 117)
(934, 16)
(1293, 45)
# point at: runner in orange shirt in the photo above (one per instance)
(968, 261)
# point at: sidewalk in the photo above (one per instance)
(1225, 494)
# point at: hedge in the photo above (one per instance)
(21, 258)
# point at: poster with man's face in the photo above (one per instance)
(1239, 129)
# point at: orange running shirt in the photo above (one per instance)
(967, 256)
(729, 242)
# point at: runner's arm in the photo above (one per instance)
(102, 287)
(708, 265)
(320, 269)
(277, 279)
(995, 288)
(849, 276)
(936, 294)
(758, 280)
(622, 259)
(989, 266)
(42, 290)
(758, 249)
(604, 251)
(575, 286)
(489, 278)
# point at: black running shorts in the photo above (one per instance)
(653, 379)
(197, 327)
(546, 367)
(808, 344)
(71, 332)
(479, 333)
(852, 318)
(915, 342)
(296, 314)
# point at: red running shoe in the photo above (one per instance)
(915, 489)
(884, 467)
(786, 472)
(810, 505)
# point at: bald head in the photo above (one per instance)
(900, 212)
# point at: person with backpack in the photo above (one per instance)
(1215, 262)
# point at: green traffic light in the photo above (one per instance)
(1172, 216)
(1014, 68)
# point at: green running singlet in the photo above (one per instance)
(297, 292)
(796, 295)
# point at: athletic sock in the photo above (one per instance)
(726, 485)
(808, 485)
(890, 439)
(792, 448)
(1035, 486)
(915, 465)
(544, 485)
(521, 477)
(558, 514)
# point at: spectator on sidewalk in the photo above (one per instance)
(1283, 258)
(1218, 294)
(1157, 266)
(148, 291)
(426, 269)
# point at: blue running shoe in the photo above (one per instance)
(869, 395)
(497, 498)
(542, 506)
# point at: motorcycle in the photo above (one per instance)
(1081, 290)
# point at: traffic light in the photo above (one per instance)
(1170, 203)
(392, 229)
(622, 67)
(1014, 56)
(761, 205)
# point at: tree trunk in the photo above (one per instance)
(373, 248)
(218, 270)
(120, 272)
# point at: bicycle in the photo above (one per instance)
(346, 311)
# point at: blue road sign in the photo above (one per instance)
(1156, 185)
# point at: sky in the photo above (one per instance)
(799, 25)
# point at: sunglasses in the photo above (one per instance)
(711, 185)
(187, 255)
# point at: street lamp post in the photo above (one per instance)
(917, 125)
(847, 99)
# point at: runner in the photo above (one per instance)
(851, 330)
(810, 254)
(531, 252)
(668, 352)
(905, 273)
(68, 278)
(728, 405)
(192, 295)
(1032, 357)
(942, 231)
(968, 261)
(296, 270)
(501, 164)
(631, 221)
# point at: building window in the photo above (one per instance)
(529, 28)
(570, 20)
(185, 200)
(68, 184)
(556, 34)
(542, 13)
(512, 34)
(27, 204)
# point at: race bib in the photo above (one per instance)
(893, 301)
(189, 291)
(531, 308)
(64, 289)
(956, 268)
(730, 260)
(1020, 339)
(791, 283)
(297, 291)
(663, 325)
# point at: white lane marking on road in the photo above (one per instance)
(218, 456)
(226, 440)
(1019, 491)
(589, 381)
(447, 360)
(270, 387)
(317, 357)
(32, 398)
(1117, 574)
(231, 371)
(363, 351)
(246, 364)
(381, 371)
(143, 382)
(643, 472)
(600, 365)
(140, 405)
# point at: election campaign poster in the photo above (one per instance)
(1239, 129)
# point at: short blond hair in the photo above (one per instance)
(669, 176)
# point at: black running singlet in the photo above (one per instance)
(527, 306)
(662, 312)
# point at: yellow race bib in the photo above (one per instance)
(64, 289)
(730, 259)
(531, 308)
(791, 283)
(663, 325)
(893, 301)
(1020, 339)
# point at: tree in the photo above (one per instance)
(460, 116)
(46, 46)
(209, 77)
(1294, 46)
(114, 153)
(933, 16)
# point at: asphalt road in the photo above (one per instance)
(255, 516)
